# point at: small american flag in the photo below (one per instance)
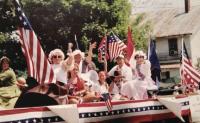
(106, 97)
(38, 65)
(116, 46)
(102, 50)
(189, 75)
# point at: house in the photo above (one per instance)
(171, 25)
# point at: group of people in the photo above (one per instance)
(77, 74)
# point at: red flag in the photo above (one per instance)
(38, 65)
(116, 46)
(130, 45)
(130, 50)
(102, 50)
(189, 75)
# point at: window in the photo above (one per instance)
(173, 47)
(165, 75)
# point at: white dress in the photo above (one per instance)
(138, 87)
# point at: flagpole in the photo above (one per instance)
(76, 42)
(182, 66)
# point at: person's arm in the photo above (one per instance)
(90, 52)
(110, 89)
(105, 65)
(68, 63)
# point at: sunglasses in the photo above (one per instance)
(137, 57)
(57, 56)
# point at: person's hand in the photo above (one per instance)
(93, 45)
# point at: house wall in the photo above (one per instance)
(195, 47)
(163, 47)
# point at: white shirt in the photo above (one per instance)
(125, 70)
(61, 74)
(100, 88)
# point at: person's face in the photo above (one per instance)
(77, 58)
(56, 58)
(120, 61)
(139, 59)
(102, 76)
(5, 65)
(74, 72)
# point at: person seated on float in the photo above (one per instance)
(102, 86)
(116, 85)
(9, 92)
(143, 80)
(85, 63)
(61, 66)
(77, 89)
(125, 71)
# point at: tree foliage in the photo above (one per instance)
(141, 32)
(56, 22)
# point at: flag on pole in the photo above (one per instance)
(115, 45)
(38, 65)
(155, 64)
(102, 50)
(189, 75)
(107, 99)
(130, 50)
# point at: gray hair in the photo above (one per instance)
(54, 52)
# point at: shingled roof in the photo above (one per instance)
(174, 21)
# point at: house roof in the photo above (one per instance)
(172, 21)
(175, 22)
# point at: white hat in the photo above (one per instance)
(76, 52)
(120, 56)
(140, 53)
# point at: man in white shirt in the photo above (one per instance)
(126, 71)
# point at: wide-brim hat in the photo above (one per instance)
(117, 74)
(76, 52)
(140, 53)
(119, 57)
(4, 58)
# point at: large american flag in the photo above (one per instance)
(38, 65)
(116, 46)
(102, 50)
(189, 75)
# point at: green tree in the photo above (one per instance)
(57, 21)
(141, 32)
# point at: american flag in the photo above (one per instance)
(38, 65)
(102, 50)
(189, 75)
(106, 97)
(116, 46)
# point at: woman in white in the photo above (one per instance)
(61, 66)
(137, 89)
